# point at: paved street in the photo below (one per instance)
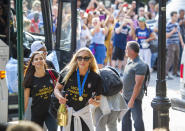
(177, 118)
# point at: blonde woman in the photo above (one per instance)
(97, 43)
(81, 82)
(109, 23)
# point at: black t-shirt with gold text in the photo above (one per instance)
(41, 90)
(92, 84)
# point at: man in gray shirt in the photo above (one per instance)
(133, 92)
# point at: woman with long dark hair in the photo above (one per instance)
(39, 84)
(81, 82)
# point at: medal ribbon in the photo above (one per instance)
(81, 88)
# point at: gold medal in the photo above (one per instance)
(80, 98)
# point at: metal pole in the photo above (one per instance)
(73, 24)
(19, 16)
(9, 31)
(59, 24)
(47, 20)
(161, 103)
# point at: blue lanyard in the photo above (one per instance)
(81, 88)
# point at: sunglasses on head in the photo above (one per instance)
(80, 58)
(43, 52)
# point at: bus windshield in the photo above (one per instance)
(32, 17)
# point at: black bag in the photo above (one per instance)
(54, 103)
(146, 80)
(112, 83)
(153, 45)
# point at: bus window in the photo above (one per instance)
(65, 42)
(32, 17)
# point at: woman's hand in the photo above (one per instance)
(57, 92)
(94, 102)
(63, 100)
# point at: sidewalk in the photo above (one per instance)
(177, 118)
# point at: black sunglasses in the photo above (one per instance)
(80, 58)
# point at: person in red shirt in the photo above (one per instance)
(91, 6)
(35, 24)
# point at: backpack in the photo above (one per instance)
(146, 80)
(111, 81)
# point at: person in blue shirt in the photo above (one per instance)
(121, 31)
(173, 36)
(144, 35)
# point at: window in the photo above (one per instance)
(65, 42)
(32, 17)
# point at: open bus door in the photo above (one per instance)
(40, 9)
(4, 56)
(66, 31)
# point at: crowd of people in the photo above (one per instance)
(117, 36)
(106, 30)
(110, 28)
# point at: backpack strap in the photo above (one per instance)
(114, 70)
(52, 77)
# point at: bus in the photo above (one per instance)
(51, 21)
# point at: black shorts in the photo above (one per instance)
(118, 54)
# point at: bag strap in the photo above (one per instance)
(114, 70)
(52, 77)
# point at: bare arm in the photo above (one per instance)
(57, 92)
(156, 29)
(105, 31)
(118, 29)
(152, 37)
(171, 33)
(132, 31)
(106, 11)
(138, 85)
(96, 101)
(90, 4)
(26, 97)
(120, 11)
(94, 31)
(134, 36)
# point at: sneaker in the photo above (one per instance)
(169, 77)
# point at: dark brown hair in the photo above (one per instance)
(30, 70)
